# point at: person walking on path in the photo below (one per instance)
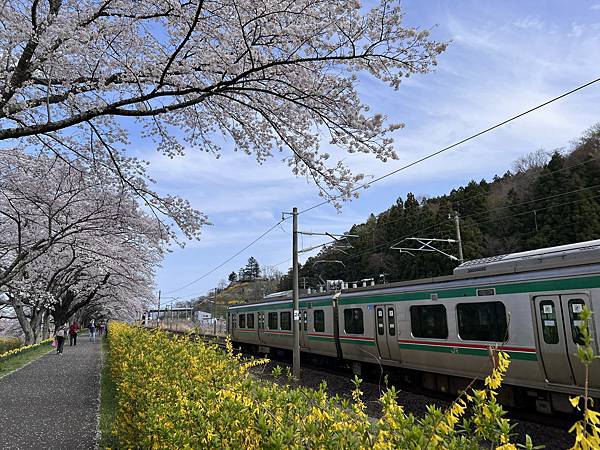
(92, 327)
(73, 329)
(53, 403)
(60, 334)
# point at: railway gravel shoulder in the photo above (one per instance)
(552, 437)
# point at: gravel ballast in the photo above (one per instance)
(553, 438)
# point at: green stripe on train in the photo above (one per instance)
(321, 338)
(356, 341)
(465, 351)
(501, 289)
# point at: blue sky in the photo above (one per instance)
(505, 57)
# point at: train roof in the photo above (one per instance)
(544, 258)
(563, 256)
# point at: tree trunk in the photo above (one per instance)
(24, 322)
(46, 325)
(36, 323)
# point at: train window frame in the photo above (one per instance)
(548, 321)
(391, 320)
(352, 324)
(250, 323)
(466, 333)
(575, 319)
(417, 317)
(270, 320)
(288, 321)
(320, 321)
(380, 315)
(242, 320)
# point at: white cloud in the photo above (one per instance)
(529, 22)
(491, 71)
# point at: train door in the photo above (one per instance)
(558, 320)
(260, 326)
(303, 328)
(385, 329)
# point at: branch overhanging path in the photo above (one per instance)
(400, 169)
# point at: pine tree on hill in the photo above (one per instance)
(549, 200)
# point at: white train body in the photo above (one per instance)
(527, 304)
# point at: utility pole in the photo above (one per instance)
(296, 303)
(458, 239)
(158, 313)
(214, 314)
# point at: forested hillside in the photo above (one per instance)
(549, 198)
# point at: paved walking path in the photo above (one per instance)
(53, 402)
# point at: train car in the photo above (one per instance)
(527, 304)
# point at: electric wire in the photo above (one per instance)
(456, 144)
(393, 172)
(541, 175)
(214, 269)
(472, 224)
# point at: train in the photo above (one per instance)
(440, 332)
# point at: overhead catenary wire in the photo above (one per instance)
(445, 222)
(496, 219)
(214, 269)
(393, 172)
(541, 175)
(460, 142)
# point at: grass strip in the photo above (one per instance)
(19, 360)
(108, 402)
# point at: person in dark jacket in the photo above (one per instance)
(59, 335)
(73, 329)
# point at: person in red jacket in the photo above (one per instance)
(73, 329)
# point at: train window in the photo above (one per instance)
(250, 320)
(286, 320)
(429, 321)
(391, 322)
(575, 309)
(380, 325)
(242, 320)
(353, 321)
(482, 321)
(319, 320)
(272, 321)
(549, 326)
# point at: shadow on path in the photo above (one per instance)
(53, 402)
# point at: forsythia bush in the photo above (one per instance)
(173, 393)
(16, 351)
(7, 344)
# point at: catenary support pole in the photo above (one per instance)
(458, 239)
(158, 313)
(296, 307)
(214, 314)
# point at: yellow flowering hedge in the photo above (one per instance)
(173, 393)
(16, 351)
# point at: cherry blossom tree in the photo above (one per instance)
(270, 75)
(70, 239)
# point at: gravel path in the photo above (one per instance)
(53, 402)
